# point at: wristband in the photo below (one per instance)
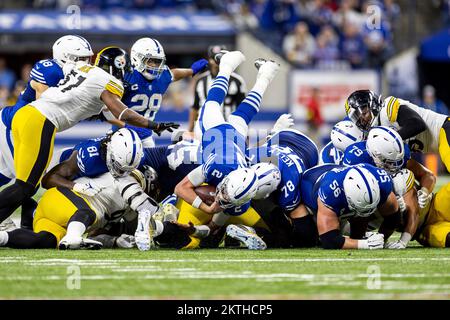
(405, 238)
(363, 244)
(197, 202)
(121, 114)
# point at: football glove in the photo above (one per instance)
(89, 189)
(125, 241)
(199, 66)
(158, 128)
(399, 244)
(285, 121)
(373, 242)
(423, 197)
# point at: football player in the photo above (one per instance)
(334, 193)
(46, 73)
(343, 134)
(146, 84)
(83, 93)
(63, 215)
(424, 130)
(223, 143)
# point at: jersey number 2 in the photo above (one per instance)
(151, 105)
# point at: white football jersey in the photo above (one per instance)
(108, 204)
(427, 141)
(77, 97)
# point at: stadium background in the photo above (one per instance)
(327, 49)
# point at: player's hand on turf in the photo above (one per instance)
(89, 189)
(423, 197)
(199, 66)
(374, 241)
(285, 121)
(158, 128)
(399, 244)
(125, 241)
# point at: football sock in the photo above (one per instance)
(218, 90)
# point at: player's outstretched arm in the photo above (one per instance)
(38, 87)
(331, 238)
(122, 113)
(426, 179)
(60, 175)
(196, 67)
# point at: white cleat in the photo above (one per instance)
(170, 212)
(144, 232)
(266, 69)
(230, 59)
(8, 225)
(76, 243)
(247, 236)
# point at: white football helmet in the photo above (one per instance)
(72, 49)
(361, 191)
(147, 57)
(386, 148)
(269, 178)
(237, 188)
(344, 134)
(124, 152)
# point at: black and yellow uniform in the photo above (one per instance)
(435, 229)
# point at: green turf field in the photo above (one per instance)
(415, 273)
(226, 274)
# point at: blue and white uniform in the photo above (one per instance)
(47, 72)
(330, 154)
(293, 153)
(326, 183)
(357, 154)
(145, 96)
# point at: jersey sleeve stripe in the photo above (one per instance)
(37, 72)
(410, 181)
(114, 88)
(37, 76)
(393, 109)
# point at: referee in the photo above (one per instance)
(236, 89)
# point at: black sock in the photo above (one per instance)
(447, 241)
(27, 239)
(28, 207)
(304, 232)
(13, 196)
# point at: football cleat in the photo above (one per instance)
(76, 243)
(219, 55)
(231, 59)
(170, 212)
(8, 225)
(266, 69)
(145, 232)
(247, 236)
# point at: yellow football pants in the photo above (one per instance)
(197, 217)
(34, 137)
(437, 226)
(55, 209)
(444, 145)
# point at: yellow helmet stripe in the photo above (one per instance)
(100, 52)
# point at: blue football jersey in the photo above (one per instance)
(172, 163)
(47, 72)
(357, 154)
(89, 158)
(145, 96)
(326, 183)
(223, 150)
(331, 155)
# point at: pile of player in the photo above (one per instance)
(124, 192)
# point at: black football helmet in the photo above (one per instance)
(115, 61)
(362, 107)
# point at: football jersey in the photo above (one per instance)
(77, 97)
(108, 204)
(145, 96)
(172, 163)
(357, 154)
(330, 155)
(326, 183)
(293, 153)
(426, 141)
(47, 72)
(223, 150)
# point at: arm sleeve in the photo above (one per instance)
(196, 176)
(410, 122)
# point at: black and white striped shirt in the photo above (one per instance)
(236, 92)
